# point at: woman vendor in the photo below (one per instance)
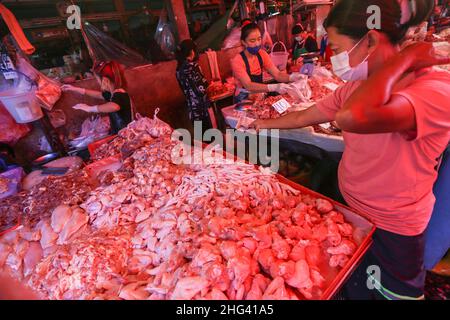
(304, 43)
(117, 101)
(395, 120)
(248, 67)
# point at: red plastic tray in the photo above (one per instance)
(97, 144)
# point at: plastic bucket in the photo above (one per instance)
(23, 106)
(280, 58)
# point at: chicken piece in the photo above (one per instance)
(21, 248)
(323, 206)
(78, 220)
(276, 290)
(250, 244)
(345, 229)
(301, 278)
(298, 252)
(320, 232)
(187, 288)
(291, 201)
(338, 260)
(32, 257)
(266, 258)
(313, 255)
(5, 250)
(292, 294)
(258, 287)
(283, 269)
(218, 275)
(208, 253)
(298, 233)
(263, 236)
(239, 268)
(281, 248)
(317, 279)
(228, 249)
(333, 236)
(216, 294)
(60, 216)
(30, 235)
(334, 216)
(346, 247)
(48, 236)
(134, 291)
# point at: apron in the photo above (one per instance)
(243, 95)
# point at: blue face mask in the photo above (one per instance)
(253, 50)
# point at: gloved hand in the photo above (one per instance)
(296, 76)
(281, 88)
(85, 108)
(68, 87)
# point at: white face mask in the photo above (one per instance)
(299, 39)
(342, 68)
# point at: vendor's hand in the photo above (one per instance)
(258, 125)
(424, 55)
(296, 76)
(68, 87)
(85, 107)
(281, 88)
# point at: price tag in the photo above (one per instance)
(281, 106)
(331, 86)
(8, 68)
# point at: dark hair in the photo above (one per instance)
(246, 30)
(350, 17)
(184, 50)
(298, 28)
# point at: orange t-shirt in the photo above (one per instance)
(390, 176)
(240, 71)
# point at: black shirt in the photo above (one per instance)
(119, 119)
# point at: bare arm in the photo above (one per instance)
(293, 120)
(108, 107)
(94, 94)
(278, 75)
(253, 87)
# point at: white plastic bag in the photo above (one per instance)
(300, 90)
(322, 72)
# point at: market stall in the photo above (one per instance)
(225, 230)
(309, 90)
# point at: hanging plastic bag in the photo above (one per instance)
(164, 35)
(103, 47)
(267, 39)
(48, 91)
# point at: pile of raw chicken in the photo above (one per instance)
(157, 230)
(264, 109)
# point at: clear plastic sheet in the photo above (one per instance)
(103, 47)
